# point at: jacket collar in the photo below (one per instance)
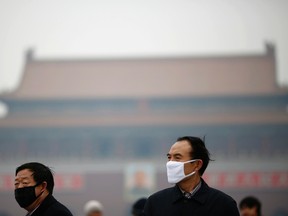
(49, 200)
(201, 194)
(177, 194)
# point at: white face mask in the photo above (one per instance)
(175, 171)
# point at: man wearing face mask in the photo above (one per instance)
(187, 160)
(34, 185)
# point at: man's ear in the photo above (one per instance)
(199, 164)
(43, 186)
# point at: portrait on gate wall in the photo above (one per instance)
(139, 181)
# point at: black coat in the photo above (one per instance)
(51, 207)
(205, 202)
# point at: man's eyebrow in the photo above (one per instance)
(176, 154)
(25, 177)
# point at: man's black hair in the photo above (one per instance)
(199, 150)
(40, 174)
(250, 202)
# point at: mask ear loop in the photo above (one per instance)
(192, 173)
(39, 195)
(40, 192)
(191, 161)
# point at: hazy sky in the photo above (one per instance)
(129, 28)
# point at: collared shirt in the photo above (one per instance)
(188, 195)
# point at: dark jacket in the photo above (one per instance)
(51, 207)
(205, 202)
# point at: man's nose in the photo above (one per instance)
(20, 185)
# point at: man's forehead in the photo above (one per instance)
(181, 146)
(24, 174)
